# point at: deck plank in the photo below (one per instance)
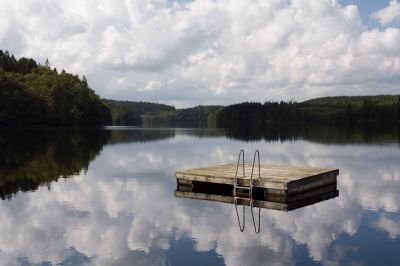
(289, 178)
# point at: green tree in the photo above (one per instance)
(34, 95)
(84, 80)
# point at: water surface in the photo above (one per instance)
(106, 197)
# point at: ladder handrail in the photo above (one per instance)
(242, 225)
(241, 154)
(237, 214)
(257, 152)
(256, 230)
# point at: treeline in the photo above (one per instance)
(379, 109)
(130, 113)
(355, 101)
(200, 114)
(9, 63)
(135, 113)
(35, 95)
(333, 110)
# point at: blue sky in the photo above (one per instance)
(366, 7)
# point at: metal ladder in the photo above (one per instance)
(236, 186)
(249, 188)
(235, 182)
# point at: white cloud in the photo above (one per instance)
(152, 85)
(389, 14)
(217, 52)
(392, 226)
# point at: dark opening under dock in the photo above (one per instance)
(273, 179)
(222, 193)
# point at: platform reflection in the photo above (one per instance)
(261, 199)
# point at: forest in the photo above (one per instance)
(331, 110)
(126, 113)
(198, 115)
(36, 95)
(383, 109)
(138, 113)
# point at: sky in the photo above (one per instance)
(204, 52)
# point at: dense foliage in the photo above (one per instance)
(8, 63)
(355, 101)
(129, 112)
(381, 109)
(199, 114)
(32, 95)
(135, 113)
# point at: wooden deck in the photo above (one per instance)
(274, 178)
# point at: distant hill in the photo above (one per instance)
(134, 113)
(198, 114)
(130, 112)
(140, 107)
(344, 109)
(356, 101)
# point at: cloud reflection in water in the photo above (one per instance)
(123, 209)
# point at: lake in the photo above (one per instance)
(107, 197)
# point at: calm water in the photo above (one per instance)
(106, 197)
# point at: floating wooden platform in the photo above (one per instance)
(274, 180)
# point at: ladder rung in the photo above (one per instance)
(241, 187)
(241, 198)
